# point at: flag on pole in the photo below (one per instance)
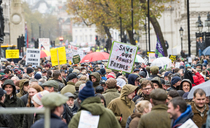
(159, 49)
(26, 36)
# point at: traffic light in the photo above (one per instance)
(22, 41)
(18, 43)
(97, 41)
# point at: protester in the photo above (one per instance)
(154, 71)
(58, 78)
(175, 83)
(24, 85)
(185, 85)
(95, 78)
(156, 82)
(51, 86)
(70, 87)
(34, 89)
(133, 79)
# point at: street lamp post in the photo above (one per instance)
(181, 35)
(207, 22)
(145, 27)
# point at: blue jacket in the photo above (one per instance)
(188, 114)
(132, 78)
(55, 122)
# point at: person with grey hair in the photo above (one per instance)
(33, 81)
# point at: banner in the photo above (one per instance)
(159, 49)
(151, 57)
(33, 57)
(14, 53)
(44, 44)
(61, 52)
(122, 57)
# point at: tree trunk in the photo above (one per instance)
(106, 29)
(132, 41)
(156, 27)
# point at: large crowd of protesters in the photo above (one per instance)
(149, 97)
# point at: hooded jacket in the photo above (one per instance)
(14, 101)
(188, 114)
(185, 80)
(122, 106)
(21, 84)
(110, 94)
(97, 76)
(70, 87)
(132, 78)
(95, 107)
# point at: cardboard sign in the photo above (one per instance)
(44, 44)
(151, 57)
(172, 57)
(33, 56)
(13, 53)
(58, 53)
(122, 57)
(87, 120)
(76, 59)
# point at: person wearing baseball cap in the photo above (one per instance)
(55, 102)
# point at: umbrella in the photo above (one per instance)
(139, 59)
(95, 56)
(162, 62)
(205, 86)
(206, 51)
(44, 53)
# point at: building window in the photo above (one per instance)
(90, 37)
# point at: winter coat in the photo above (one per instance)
(69, 112)
(122, 106)
(185, 80)
(29, 119)
(128, 122)
(6, 120)
(183, 118)
(55, 122)
(135, 120)
(70, 87)
(94, 105)
(157, 118)
(14, 101)
(197, 119)
(60, 83)
(198, 78)
(97, 76)
(21, 84)
(152, 76)
(132, 78)
(110, 94)
(24, 98)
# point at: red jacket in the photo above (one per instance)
(198, 79)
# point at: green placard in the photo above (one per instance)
(76, 59)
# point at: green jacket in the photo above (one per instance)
(98, 78)
(157, 118)
(21, 84)
(122, 105)
(110, 94)
(68, 88)
(94, 105)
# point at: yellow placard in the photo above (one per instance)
(13, 53)
(61, 55)
(172, 57)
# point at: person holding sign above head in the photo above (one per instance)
(94, 112)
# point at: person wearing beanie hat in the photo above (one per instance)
(93, 105)
(111, 90)
(103, 73)
(30, 72)
(55, 102)
(37, 98)
(123, 106)
(37, 76)
(175, 83)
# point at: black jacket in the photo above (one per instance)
(67, 114)
(24, 98)
(29, 119)
(6, 120)
(60, 83)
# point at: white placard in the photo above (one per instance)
(189, 124)
(122, 57)
(44, 44)
(177, 65)
(151, 57)
(87, 120)
(33, 56)
(189, 60)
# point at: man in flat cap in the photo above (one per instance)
(55, 102)
(70, 87)
(51, 86)
(158, 117)
(154, 71)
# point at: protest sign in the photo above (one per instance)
(172, 57)
(87, 120)
(13, 53)
(76, 59)
(44, 44)
(33, 56)
(122, 57)
(58, 56)
(151, 57)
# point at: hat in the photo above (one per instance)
(37, 76)
(71, 76)
(102, 82)
(167, 83)
(111, 83)
(87, 91)
(157, 80)
(154, 69)
(167, 73)
(76, 71)
(84, 71)
(69, 95)
(53, 100)
(111, 75)
(4, 77)
(175, 79)
(44, 71)
(2, 92)
(47, 65)
(99, 72)
(37, 97)
(8, 82)
(51, 83)
(136, 70)
(158, 94)
(103, 71)
(108, 70)
(29, 70)
(143, 74)
(78, 83)
(99, 89)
